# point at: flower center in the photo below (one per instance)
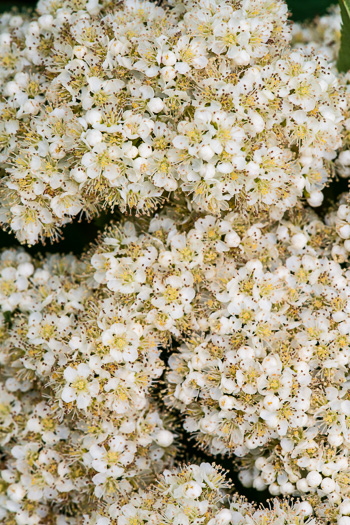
(80, 385)
(120, 342)
(172, 294)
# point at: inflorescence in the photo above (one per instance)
(219, 310)
(130, 105)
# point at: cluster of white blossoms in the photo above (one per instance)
(79, 349)
(323, 37)
(76, 428)
(197, 494)
(219, 310)
(263, 312)
(81, 341)
(128, 106)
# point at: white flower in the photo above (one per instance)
(79, 388)
(101, 161)
(122, 342)
(190, 53)
(125, 276)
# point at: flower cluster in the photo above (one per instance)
(264, 311)
(81, 347)
(126, 106)
(323, 37)
(338, 219)
(196, 494)
(265, 374)
(76, 428)
(220, 308)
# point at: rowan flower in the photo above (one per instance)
(122, 342)
(78, 387)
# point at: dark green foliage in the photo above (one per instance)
(343, 63)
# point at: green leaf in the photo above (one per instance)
(343, 63)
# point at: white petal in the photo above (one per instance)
(70, 374)
(68, 394)
(83, 401)
(83, 370)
